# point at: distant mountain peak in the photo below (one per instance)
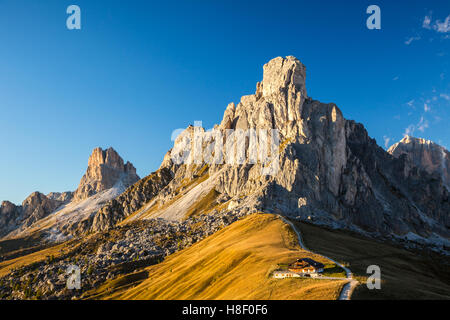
(106, 177)
(105, 169)
(325, 169)
(282, 73)
(411, 139)
(424, 154)
(329, 170)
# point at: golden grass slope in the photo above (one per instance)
(35, 257)
(234, 263)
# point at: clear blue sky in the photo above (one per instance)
(137, 70)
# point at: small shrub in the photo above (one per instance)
(90, 270)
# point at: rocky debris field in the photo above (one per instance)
(106, 255)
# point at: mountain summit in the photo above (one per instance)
(328, 170)
(106, 177)
(424, 154)
(317, 166)
(105, 169)
(277, 151)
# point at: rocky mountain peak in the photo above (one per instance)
(61, 196)
(108, 157)
(7, 206)
(105, 169)
(9, 216)
(33, 199)
(413, 140)
(424, 154)
(326, 170)
(36, 206)
(283, 73)
(277, 102)
(329, 170)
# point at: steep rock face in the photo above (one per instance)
(57, 215)
(312, 139)
(61, 196)
(105, 169)
(328, 169)
(280, 151)
(424, 154)
(36, 206)
(10, 217)
(128, 202)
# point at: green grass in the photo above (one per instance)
(332, 270)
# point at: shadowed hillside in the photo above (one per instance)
(404, 274)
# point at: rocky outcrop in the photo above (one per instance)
(278, 151)
(128, 202)
(58, 214)
(128, 248)
(10, 217)
(35, 207)
(38, 206)
(105, 169)
(424, 154)
(326, 169)
(61, 196)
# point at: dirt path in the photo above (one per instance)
(348, 288)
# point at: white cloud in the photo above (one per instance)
(427, 22)
(409, 131)
(411, 39)
(410, 103)
(438, 25)
(444, 26)
(395, 78)
(445, 96)
(386, 141)
(422, 125)
(426, 107)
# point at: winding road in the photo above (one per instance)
(348, 288)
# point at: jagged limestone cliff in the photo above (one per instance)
(425, 154)
(324, 168)
(105, 169)
(59, 214)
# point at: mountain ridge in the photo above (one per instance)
(329, 171)
(426, 154)
(106, 171)
(278, 152)
(319, 167)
